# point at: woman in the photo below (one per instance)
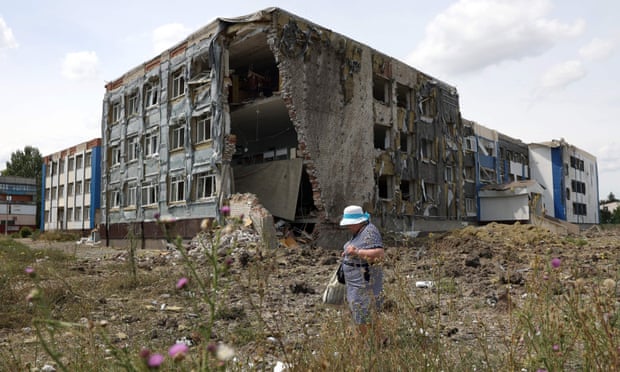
(364, 277)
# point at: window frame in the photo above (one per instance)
(177, 189)
(178, 83)
(203, 182)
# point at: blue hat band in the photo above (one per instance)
(355, 215)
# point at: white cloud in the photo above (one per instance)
(597, 50)
(563, 74)
(80, 66)
(167, 35)
(608, 158)
(7, 40)
(473, 34)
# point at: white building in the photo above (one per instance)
(570, 179)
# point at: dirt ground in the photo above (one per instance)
(487, 269)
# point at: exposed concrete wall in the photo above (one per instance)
(327, 89)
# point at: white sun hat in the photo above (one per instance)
(353, 215)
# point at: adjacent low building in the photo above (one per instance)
(72, 188)
(18, 207)
(570, 177)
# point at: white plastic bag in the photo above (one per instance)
(335, 291)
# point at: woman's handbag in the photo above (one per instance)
(340, 274)
(335, 291)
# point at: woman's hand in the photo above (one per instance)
(351, 250)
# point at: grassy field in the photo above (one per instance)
(534, 302)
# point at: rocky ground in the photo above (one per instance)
(483, 272)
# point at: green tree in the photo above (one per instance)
(25, 163)
(611, 197)
(28, 164)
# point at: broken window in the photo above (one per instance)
(429, 191)
(149, 194)
(428, 107)
(449, 174)
(132, 104)
(386, 187)
(381, 89)
(204, 185)
(469, 143)
(403, 96)
(469, 173)
(381, 137)
(487, 147)
(426, 150)
(177, 188)
(488, 175)
(178, 83)
(405, 190)
(151, 143)
(201, 129)
(177, 136)
(151, 94)
(403, 142)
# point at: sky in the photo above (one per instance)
(535, 70)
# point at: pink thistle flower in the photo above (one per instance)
(182, 283)
(30, 271)
(155, 360)
(225, 210)
(145, 353)
(228, 261)
(212, 348)
(556, 262)
(156, 215)
(178, 351)
(556, 347)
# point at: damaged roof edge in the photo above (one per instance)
(212, 27)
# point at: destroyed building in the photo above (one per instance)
(272, 104)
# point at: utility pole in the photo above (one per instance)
(6, 222)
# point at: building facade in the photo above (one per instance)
(272, 104)
(18, 206)
(570, 178)
(71, 189)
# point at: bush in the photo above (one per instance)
(25, 232)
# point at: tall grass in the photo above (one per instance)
(566, 319)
